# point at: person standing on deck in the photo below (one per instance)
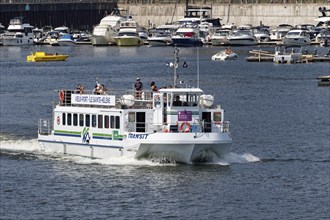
(138, 87)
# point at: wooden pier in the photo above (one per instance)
(267, 56)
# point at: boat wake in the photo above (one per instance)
(30, 150)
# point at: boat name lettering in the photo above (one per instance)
(93, 99)
(138, 136)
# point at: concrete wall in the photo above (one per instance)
(269, 14)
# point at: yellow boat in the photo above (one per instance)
(43, 57)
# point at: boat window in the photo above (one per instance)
(117, 122)
(69, 119)
(81, 120)
(93, 120)
(112, 121)
(217, 117)
(100, 121)
(63, 118)
(75, 119)
(87, 119)
(131, 117)
(106, 121)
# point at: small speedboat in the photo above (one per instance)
(44, 57)
(224, 55)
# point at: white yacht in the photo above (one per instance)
(177, 125)
(163, 35)
(220, 37)
(62, 30)
(297, 37)
(278, 33)
(2, 31)
(187, 36)
(242, 38)
(160, 38)
(104, 33)
(66, 40)
(262, 34)
(128, 34)
(18, 33)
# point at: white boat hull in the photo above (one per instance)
(102, 40)
(156, 42)
(242, 42)
(128, 41)
(11, 41)
(194, 147)
(296, 41)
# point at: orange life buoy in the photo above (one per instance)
(61, 95)
(185, 127)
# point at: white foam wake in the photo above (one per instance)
(233, 158)
(127, 159)
(20, 145)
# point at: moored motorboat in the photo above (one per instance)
(18, 33)
(160, 39)
(128, 34)
(296, 37)
(44, 57)
(66, 40)
(104, 33)
(174, 124)
(242, 38)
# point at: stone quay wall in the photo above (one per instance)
(240, 14)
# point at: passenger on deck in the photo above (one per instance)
(153, 87)
(79, 89)
(138, 87)
(177, 101)
(228, 51)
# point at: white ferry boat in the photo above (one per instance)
(181, 125)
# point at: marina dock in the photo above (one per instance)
(267, 56)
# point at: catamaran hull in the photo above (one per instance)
(171, 146)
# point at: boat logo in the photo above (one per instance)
(137, 136)
(85, 135)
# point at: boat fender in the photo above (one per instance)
(61, 95)
(185, 127)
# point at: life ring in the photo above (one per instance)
(185, 127)
(61, 95)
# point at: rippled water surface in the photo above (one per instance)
(279, 167)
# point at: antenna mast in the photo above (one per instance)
(175, 65)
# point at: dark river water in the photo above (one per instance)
(278, 168)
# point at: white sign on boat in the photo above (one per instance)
(108, 100)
